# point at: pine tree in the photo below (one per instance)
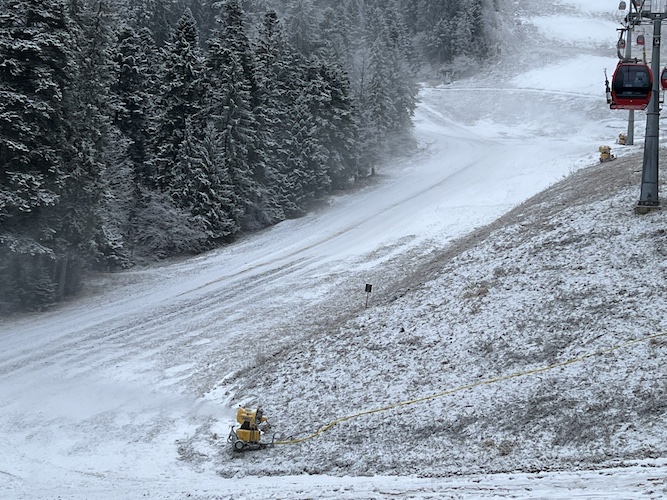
(270, 60)
(36, 50)
(337, 31)
(402, 88)
(205, 187)
(375, 105)
(312, 151)
(283, 115)
(179, 99)
(451, 29)
(387, 93)
(159, 16)
(474, 28)
(80, 211)
(337, 126)
(302, 27)
(132, 86)
(118, 204)
(232, 95)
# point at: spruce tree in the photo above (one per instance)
(302, 27)
(179, 99)
(118, 205)
(80, 211)
(205, 187)
(279, 82)
(232, 97)
(132, 86)
(133, 89)
(159, 16)
(36, 74)
(337, 125)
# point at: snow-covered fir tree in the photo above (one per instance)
(232, 93)
(37, 50)
(179, 98)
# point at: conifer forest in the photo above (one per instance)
(137, 130)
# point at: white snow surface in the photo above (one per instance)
(510, 278)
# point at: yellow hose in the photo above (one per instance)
(501, 378)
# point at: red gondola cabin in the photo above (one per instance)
(631, 86)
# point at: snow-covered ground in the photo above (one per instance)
(496, 358)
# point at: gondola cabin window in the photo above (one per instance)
(631, 86)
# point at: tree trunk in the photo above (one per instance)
(62, 277)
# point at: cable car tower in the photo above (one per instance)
(635, 88)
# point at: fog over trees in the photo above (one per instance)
(135, 130)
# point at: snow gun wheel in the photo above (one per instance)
(238, 445)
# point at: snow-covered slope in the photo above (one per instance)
(534, 316)
(130, 391)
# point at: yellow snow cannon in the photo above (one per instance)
(605, 154)
(622, 139)
(249, 436)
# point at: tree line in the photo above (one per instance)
(143, 129)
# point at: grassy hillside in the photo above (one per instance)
(570, 273)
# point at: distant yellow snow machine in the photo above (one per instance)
(605, 154)
(249, 436)
(622, 139)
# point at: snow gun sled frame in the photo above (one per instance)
(249, 435)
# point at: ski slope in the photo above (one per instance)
(117, 394)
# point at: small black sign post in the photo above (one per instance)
(369, 289)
